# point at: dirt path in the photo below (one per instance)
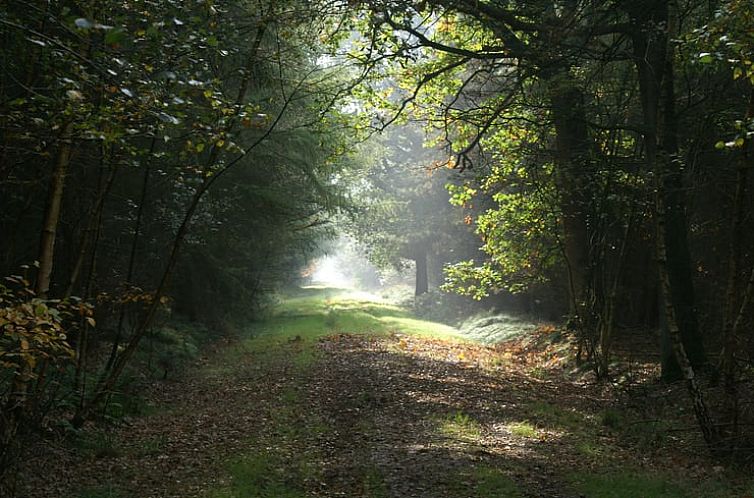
(370, 416)
(427, 426)
(395, 416)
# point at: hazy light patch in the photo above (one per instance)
(328, 272)
(358, 295)
(326, 61)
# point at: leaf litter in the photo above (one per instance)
(366, 416)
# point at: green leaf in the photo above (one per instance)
(115, 36)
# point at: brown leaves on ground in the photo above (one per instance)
(398, 416)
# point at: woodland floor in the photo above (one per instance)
(347, 397)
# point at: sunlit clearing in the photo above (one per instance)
(328, 272)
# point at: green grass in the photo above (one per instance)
(461, 426)
(310, 313)
(493, 483)
(557, 417)
(590, 449)
(317, 312)
(275, 469)
(97, 444)
(259, 476)
(647, 436)
(289, 335)
(523, 429)
(482, 481)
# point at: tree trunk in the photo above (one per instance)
(733, 315)
(656, 86)
(52, 212)
(704, 419)
(574, 166)
(111, 376)
(608, 315)
(730, 342)
(15, 408)
(422, 280)
(109, 379)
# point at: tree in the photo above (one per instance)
(596, 86)
(404, 212)
(501, 65)
(152, 126)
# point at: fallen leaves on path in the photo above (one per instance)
(398, 416)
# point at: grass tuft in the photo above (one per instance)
(523, 429)
(493, 483)
(258, 476)
(460, 425)
(556, 417)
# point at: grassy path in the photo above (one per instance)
(346, 396)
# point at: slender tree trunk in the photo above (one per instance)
(608, 316)
(703, 417)
(422, 281)
(82, 345)
(52, 212)
(656, 85)
(46, 254)
(732, 316)
(110, 377)
(15, 408)
(734, 258)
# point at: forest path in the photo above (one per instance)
(334, 399)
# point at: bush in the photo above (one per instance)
(33, 347)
